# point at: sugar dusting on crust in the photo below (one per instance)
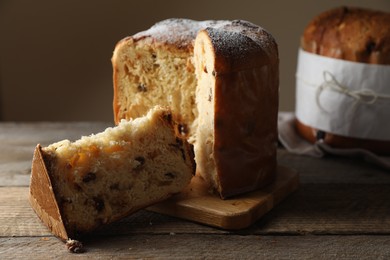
(234, 38)
(176, 31)
(239, 38)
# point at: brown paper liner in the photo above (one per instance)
(42, 197)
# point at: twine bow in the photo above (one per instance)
(364, 96)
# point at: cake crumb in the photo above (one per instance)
(75, 246)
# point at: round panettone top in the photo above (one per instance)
(350, 33)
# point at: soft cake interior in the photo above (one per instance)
(204, 58)
(181, 79)
(103, 177)
(156, 74)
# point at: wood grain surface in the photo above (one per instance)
(201, 246)
(340, 211)
(196, 203)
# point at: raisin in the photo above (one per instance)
(168, 117)
(154, 56)
(370, 47)
(99, 204)
(205, 69)
(320, 135)
(179, 141)
(114, 186)
(213, 73)
(75, 246)
(183, 154)
(77, 187)
(183, 130)
(170, 175)
(89, 177)
(142, 87)
(179, 145)
(65, 200)
(141, 161)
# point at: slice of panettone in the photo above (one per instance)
(79, 186)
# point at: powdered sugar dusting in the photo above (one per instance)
(175, 31)
(239, 38)
(231, 38)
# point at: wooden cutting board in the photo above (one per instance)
(195, 203)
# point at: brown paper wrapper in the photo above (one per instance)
(42, 197)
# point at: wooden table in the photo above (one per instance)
(341, 210)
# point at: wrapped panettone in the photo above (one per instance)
(343, 80)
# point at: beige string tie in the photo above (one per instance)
(363, 96)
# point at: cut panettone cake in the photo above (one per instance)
(78, 186)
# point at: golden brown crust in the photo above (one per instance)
(353, 34)
(241, 45)
(310, 134)
(348, 33)
(245, 130)
(246, 106)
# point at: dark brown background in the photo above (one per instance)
(55, 55)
